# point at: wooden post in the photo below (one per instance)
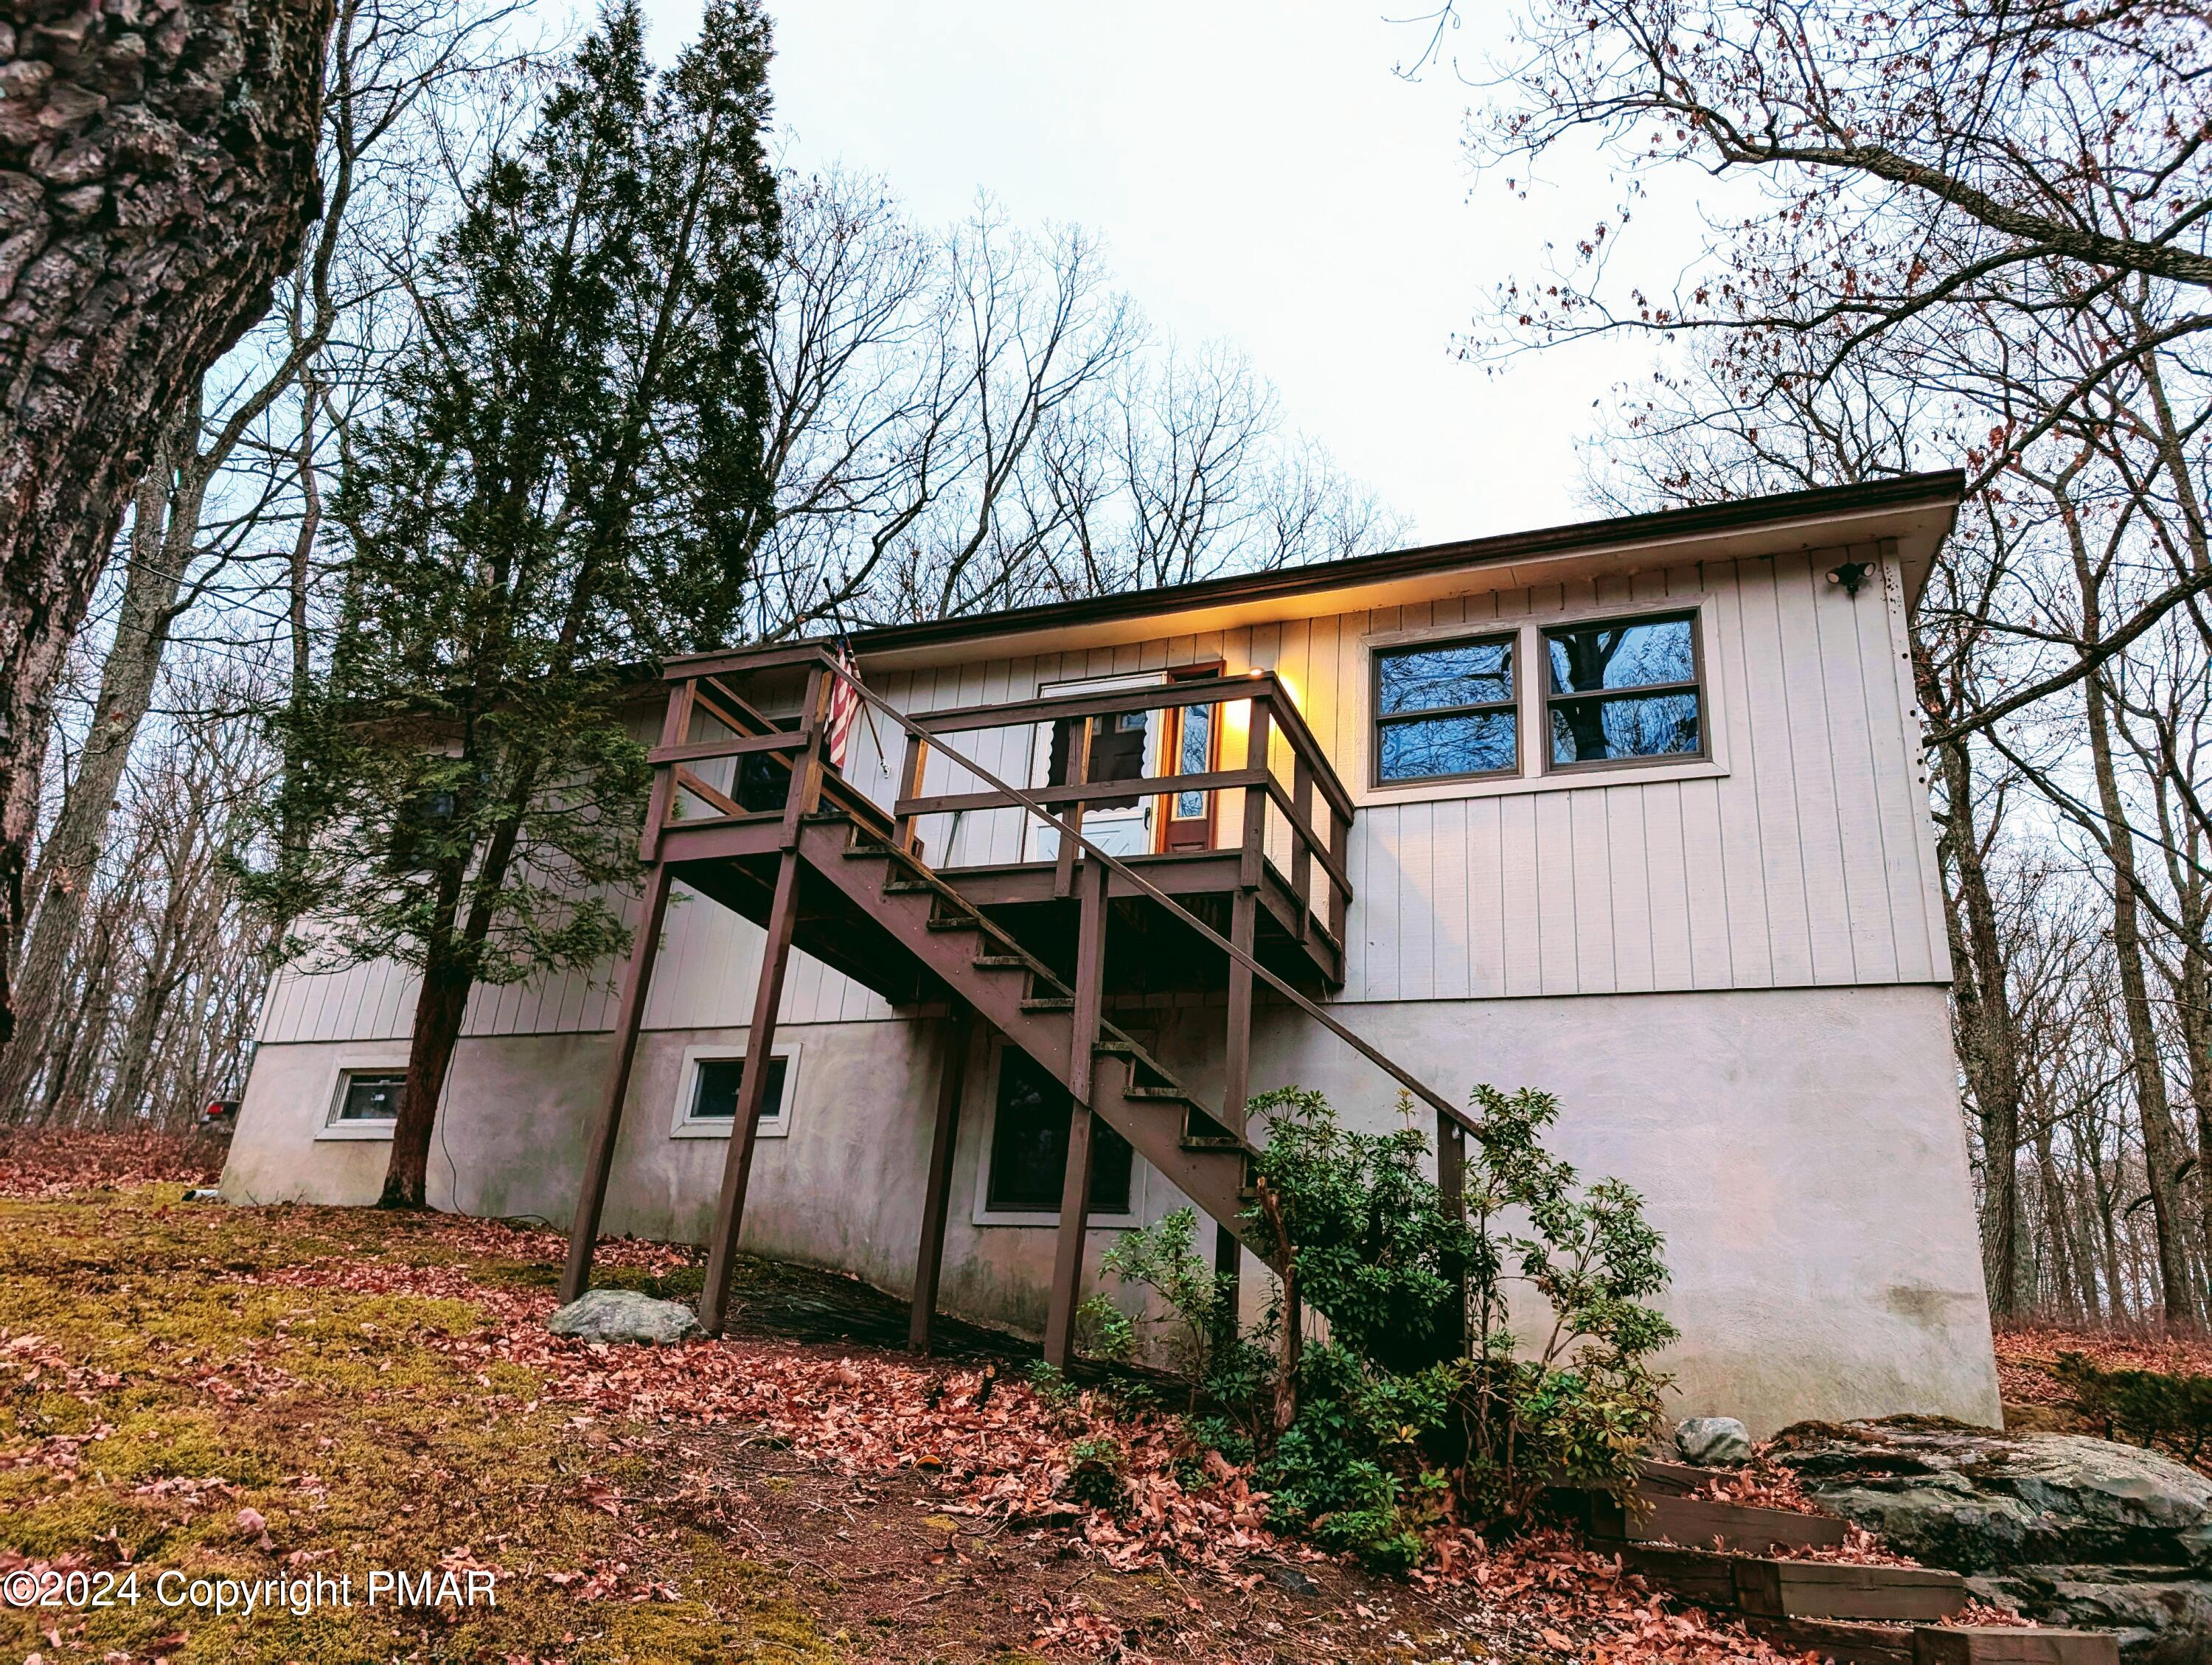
(1082, 1070)
(1451, 1187)
(1236, 1071)
(1079, 772)
(760, 1040)
(917, 759)
(629, 1014)
(937, 1200)
(1228, 1267)
(1302, 787)
(675, 731)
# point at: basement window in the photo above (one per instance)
(1624, 690)
(1029, 1146)
(711, 1084)
(369, 1095)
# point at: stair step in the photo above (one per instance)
(908, 887)
(955, 922)
(1049, 1003)
(1696, 1523)
(1840, 1641)
(1000, 961)
(1173, 1094)
(1798, 1590)
(1211, 1142)
(1991, 1645)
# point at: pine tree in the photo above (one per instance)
(555, 496)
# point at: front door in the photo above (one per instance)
(1124, 745)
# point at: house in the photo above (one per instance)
(1633, 812)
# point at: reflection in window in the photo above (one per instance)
(1029, 1146)
(1624, 690)
(1192, 756)
(371, 1095)
(1444, 712)
(715, 1093)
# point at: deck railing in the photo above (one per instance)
(1244, 805)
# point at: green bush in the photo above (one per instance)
(1424, 1406)
(2144, 1407)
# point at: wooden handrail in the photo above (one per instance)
(1086, 791)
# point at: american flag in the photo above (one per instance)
(844, 704)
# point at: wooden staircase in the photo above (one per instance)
(980, 964)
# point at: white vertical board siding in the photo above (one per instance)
(1809, 861)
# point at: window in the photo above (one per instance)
(1029, 1146)
(716, 1082)
(369, 1095)
(1624, 689)
(1443, 713)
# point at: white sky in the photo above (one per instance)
(1258, 173)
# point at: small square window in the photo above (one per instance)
(718, 1081)
(1445, 712)
(1624, 689)
(1029, 1146)
(369, 1096)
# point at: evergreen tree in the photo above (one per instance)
(555, 495)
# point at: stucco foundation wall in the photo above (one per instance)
(1799, 1148)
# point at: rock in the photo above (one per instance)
(1289, 1579)
(1713, 1441)
(2068, 1530)
(623, 1315)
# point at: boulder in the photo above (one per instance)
(2068, 1530)
(1713, 1441)
(623, 1315)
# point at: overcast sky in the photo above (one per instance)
(1258, 173)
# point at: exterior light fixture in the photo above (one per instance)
(1851, 575)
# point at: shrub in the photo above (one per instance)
(1367, 1239)
(1424, 1406)
(2144, 1407)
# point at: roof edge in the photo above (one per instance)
(1943, 489)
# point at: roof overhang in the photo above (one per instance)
(1912, 515)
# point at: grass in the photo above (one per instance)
(289, 1393)
(173, 1396)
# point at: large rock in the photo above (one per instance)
(623, 1315)
(2070, 1529)
(1713, 1441)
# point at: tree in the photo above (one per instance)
(157, 167)
(218, 484)
(556, 493)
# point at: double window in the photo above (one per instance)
(1612, 691)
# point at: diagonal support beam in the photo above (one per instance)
(629, 1016)
(760, 1039)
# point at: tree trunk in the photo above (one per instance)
(165, 526)
(157, 169)
(439, 1009)
(1986, 1035)
(2162, 1146)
